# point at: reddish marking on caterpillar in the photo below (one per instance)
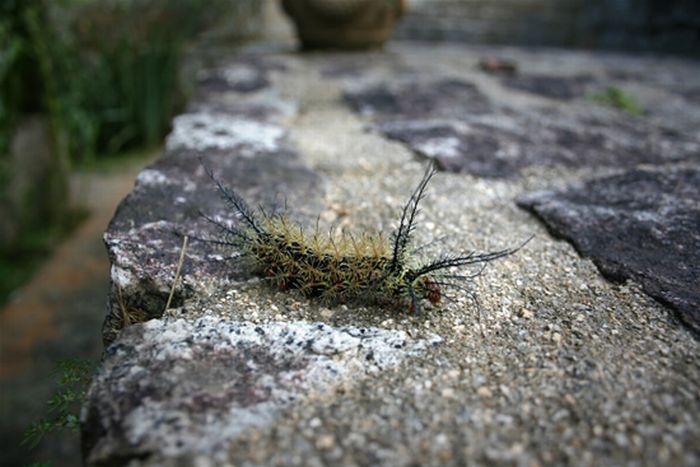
(360, 268)
(433, 292)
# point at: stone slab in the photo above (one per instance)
(179, 390)
(170, 197)
(641, 225)
(420, 98)
(242, 74)
(570, 369)
(552, 86)
(453, 122)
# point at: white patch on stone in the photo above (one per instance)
(331, 344)
(194, 408)
(239, 74)
(157, 225)
(151, 177)
(122, 278)
(201, 131)
(285, 107)
(445, 147)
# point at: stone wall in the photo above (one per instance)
(533, 22)
(656, 25)
(537, 359)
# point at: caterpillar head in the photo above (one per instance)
(428, 288)
(431, 290)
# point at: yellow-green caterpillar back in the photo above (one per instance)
(353, 268)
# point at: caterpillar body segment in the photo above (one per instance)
(365, 268)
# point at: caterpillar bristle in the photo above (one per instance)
(360, 267)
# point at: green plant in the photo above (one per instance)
(73, 376)
(105, 72)
(131, 52)
(103, 75)
(617, 98)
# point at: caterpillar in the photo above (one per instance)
(363, 268)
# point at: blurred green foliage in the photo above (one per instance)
(36, 211)
(619, 99)
(104, 75)
(105, 71)
(73, 377)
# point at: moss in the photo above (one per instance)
(619, 99)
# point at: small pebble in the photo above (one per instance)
(325, 442)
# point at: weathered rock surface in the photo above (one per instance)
(454, 123)
(571, 368)
(553, 87)
(145, 236)
(245, 74)
(444, 98)
(640, 225)
(179, 390)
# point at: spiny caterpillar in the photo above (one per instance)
(365, 268)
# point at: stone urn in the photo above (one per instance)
(343, 24)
